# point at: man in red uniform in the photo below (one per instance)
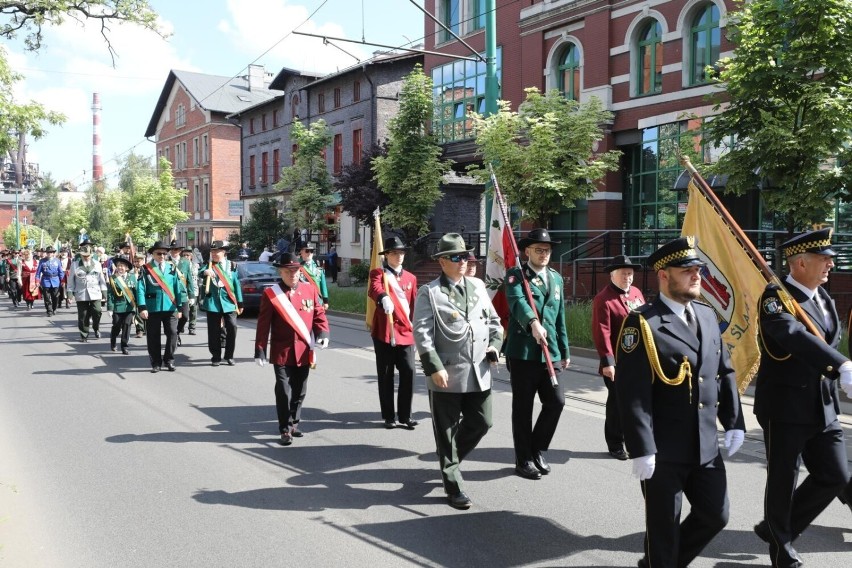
(292, 310)
(610, 307)
(393, 289)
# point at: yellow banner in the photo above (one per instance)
(730, 282)
(375, 262)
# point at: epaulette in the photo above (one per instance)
(701, 303)
(643, 308)
(773, 286)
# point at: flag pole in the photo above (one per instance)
(526, 287)
(757, 258)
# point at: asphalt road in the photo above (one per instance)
(103, 464)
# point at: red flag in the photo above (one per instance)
(500, 255)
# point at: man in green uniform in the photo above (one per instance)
(189, 283)
(187, 256)
(121, 302)
(313, 272)
(158, 295)
(223, 302)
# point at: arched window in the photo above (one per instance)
(705, 39)
(650, 60)
(568, 74)
(294, 107)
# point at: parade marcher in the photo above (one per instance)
(29, 283)
(65, 263)
(187, 256)
(50, 275)
(4, 271)
(223, 302)
(138, 262)
(529, 332)
(291, 313)
(158, 298)
(333, 258)
(189, 282)
(675, 381)
(796, 396)
(121, 302)
(609, 308)
(456, 329)
(14, 278)
(314, 272)
(86, 282)
(393, 289)
(471, 265)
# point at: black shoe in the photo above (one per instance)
(97, 334)
(527, 470)
(155, 369)
(619, 454)
(643, 563)
(390, 424)
(124, 351)
(295, 432)
(761, 529)
(541, 463)
(179, 342)
(409, 424)
(459, 501)
(192, 332)
(113, 348)
(286, 439)
(215, 363)
(83, 339)
(230, 362)
(170, 366)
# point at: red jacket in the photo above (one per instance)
(609, 309)
(288, 347)
(404, 335)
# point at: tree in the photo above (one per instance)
(105, 215)
(34, 233)
(134, 166)
(411, 172)
(543, 154)
(29, 19)
(153, 206)
(359, 192)
(48, 206)
(788, 107)
(72, 217)
(307, 181)
(265, 226)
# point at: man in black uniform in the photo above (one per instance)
(675, 381)
(796, 398)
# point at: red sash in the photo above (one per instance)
(155, 274)
(311, 279)
(225, 283)
(285, 309)
(397, 296)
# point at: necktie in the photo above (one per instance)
(821, 305)
(691, 322)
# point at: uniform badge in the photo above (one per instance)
(556, 295)
(772, 306)
(629, 339)
(537, 281)
(511, 279)
(454, 315)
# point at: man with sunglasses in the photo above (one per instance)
(159, 294)
(87, 283)
(456, 331)
(530, 332)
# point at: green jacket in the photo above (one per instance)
(318, 276)
(217, 299)
(117, 300)
(150, 295)
(550, 305)
(187, 278)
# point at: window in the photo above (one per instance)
(167, 154)
(252, 182)
(568, 78)
(650, 67)
(295, 150)
(338, 153)
(276, 165)
(706, 38)
(321, 102)
(180, 116)
(458, 88)
(196, 197)
(263, 122)
(205, 150)
(336, 97)
(183, 155)
(294, 107)
(477, 21)
(196, 152)
(356, 91)
(357, 147)
(450, 17)
(206, 195)
(275, 118)
(251, 126)
(264, 168)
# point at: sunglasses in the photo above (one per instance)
(457, 257)
(159, 253)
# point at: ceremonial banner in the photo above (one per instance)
(730, 282)
(375, 262)
(500, 255)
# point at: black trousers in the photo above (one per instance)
(528, 379)
(788, 509)
(215, 321)
(88, 312)
(459, 421)
(290, 390)
(121, 325)
(51, 298)
(670, 543)
(400, 357)
(15, 291)
(184, 317)
(613, 434)
(168, 322)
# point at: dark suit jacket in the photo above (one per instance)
(550, 305)
(677, 423)
(287, 346)
(796, 378)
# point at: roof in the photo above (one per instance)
(385, 57)
(214, 93)
(280, 80)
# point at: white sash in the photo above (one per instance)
(285, 307)
(403, 309)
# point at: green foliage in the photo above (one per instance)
(359, 273)
(359, 193)
(578, 322)
(348, 300)
(543, 154)
(33, 232)
(48, 206)
(106, 220)
(788, 105)
(411, 172)
(265, 226)
(73, 216)
(152, 206)
(307, 180)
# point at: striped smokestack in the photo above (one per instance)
(97, 166)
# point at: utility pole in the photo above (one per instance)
(491, 85)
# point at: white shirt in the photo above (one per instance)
(264, 256)
(676, 307)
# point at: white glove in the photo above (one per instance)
(260, 362)
(734, 441)
(192, 301)
(387, 305)
(643, 467)
(846, 382)
(109, 314)
(322, 343)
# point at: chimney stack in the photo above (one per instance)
(97, 166)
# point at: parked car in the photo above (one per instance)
(255, 277)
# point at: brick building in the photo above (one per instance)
(191, 129)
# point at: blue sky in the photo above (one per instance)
(220, 37)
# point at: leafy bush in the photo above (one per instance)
(359, 273)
